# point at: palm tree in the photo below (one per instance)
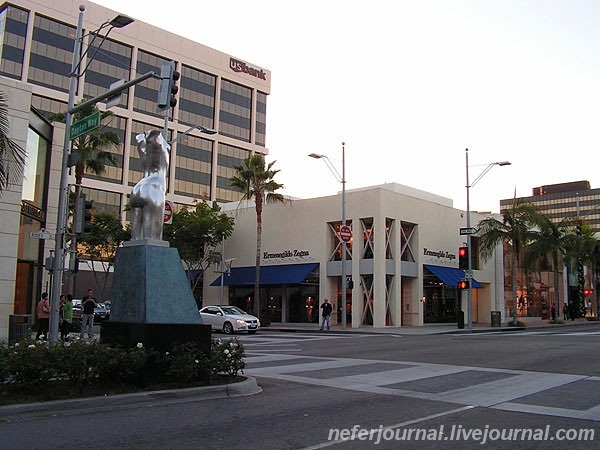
(12, 156)
(515, 230)
(256, 181)
(550, 240)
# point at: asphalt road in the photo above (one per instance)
(452, 391)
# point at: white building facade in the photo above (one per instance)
(402, 261)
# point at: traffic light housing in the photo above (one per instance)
(83, 215)
(167, 87)
(462, 285)
(463, 258)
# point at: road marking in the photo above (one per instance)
(392, 427)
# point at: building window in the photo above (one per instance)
(112, 172)
(235, 112)
(34, 179)
(193, 167)
(368, 238)
(48, 106)
(51, 54)
(13, 32)
(197, 98)
(103, 202)
(337, 243)
(228, 157)
(408, 241)
(146, 93)
(261, 119)
(110, 63)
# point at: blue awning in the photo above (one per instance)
(450, 276)
(284, 274)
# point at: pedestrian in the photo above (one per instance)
(565, 311)
(553, 312)
(326, 312)
(87, 318)
(43, 314)
(66, 302)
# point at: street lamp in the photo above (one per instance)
(469, 273)
(202, 129)
(63, 194)
(342, 179)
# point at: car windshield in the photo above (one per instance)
(232, 310)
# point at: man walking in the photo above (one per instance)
(87, 318)
(326, 312)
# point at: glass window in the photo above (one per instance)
(111, 62)
(193, 166)
(235, 111)
(103, 202)
(261, 119)
(34, 179)
(51, 54)
(13, 31)
(229, 157)
(197, 98)
(48, 106)
(112, 172)
(145, 93)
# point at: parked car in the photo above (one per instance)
(77, 309)
(229, 319)
(100, 312)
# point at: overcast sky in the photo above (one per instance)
(409, 84)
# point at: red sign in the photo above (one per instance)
(168, 217)
(345, 233)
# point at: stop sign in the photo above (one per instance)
(345, 233)
(168, 216)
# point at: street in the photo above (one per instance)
(526, 389)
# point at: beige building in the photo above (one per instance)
(402, 260)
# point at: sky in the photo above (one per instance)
(408, 85)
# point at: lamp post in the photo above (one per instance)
(63, 194)
(202, 129)
(469, 273)
(342, 179)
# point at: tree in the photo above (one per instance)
(99, 246)
(255, 179)
(12, 156)
(549, 241)
(195, 232)
(515, 230)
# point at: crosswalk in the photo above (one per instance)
(278, 357)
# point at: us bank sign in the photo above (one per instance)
(239, 66)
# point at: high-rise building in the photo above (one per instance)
(564, 200)
(216, 91)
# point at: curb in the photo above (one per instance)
(146, 398)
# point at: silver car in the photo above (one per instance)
(229, 319)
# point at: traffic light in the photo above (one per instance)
(463, 258)
(462, 285)
(588, 292)
(167, 88)
(83, 215)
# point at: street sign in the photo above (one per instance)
(84, 126)
(168, 217)
(345, 233)
(42, 234)
(471, 230)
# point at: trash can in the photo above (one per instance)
(496, 319)
(460, 319)
(19, 328)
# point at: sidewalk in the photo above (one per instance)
(436, 328)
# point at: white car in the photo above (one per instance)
(229, 319)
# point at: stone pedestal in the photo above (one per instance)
(152, 301)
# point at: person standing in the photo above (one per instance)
(43, 314)
(87, 318)
(66, 302)
(326, 312)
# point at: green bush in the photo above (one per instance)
(83, 362)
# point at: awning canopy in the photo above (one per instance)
(284, 274)
(450, 276)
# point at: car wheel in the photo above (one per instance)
(227, 328)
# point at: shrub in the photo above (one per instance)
(227, 357)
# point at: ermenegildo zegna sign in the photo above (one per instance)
(439, 254)
(240, 66)
(287, 254)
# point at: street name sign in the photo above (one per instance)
(84, 126)
(471, 230)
